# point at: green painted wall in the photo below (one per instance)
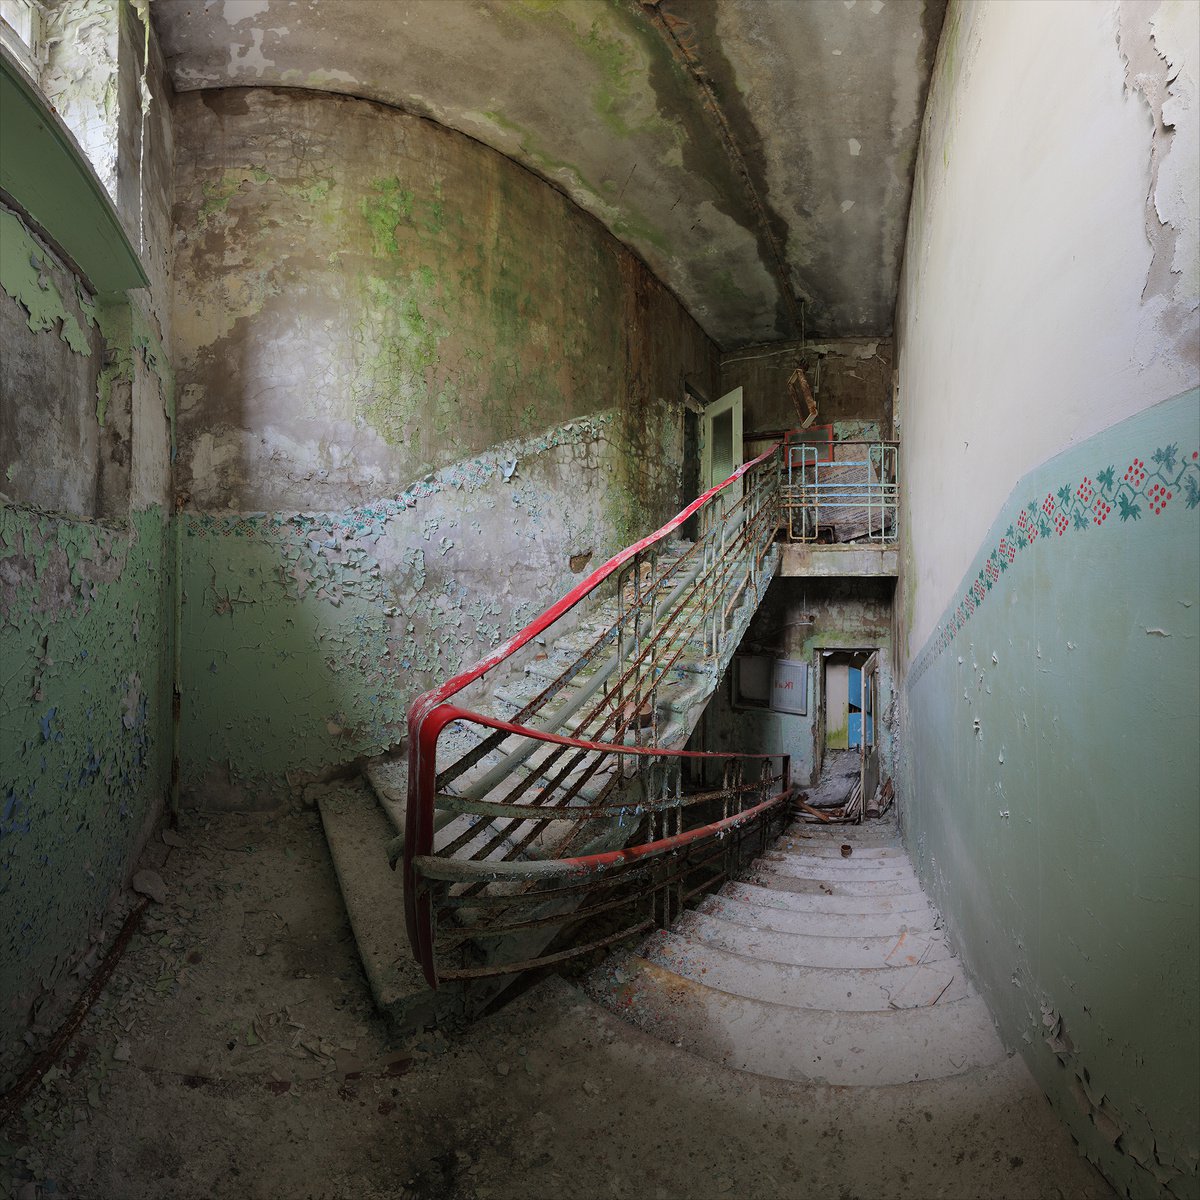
(307, 635)
(86, 612)
(1052, 801)
(85, 741)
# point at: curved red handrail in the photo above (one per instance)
(589, 864)
(428, 715)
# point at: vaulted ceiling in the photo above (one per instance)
(757, 154)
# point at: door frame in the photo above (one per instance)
(730, 402)
(820, 654)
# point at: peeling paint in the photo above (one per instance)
(22, 276)
(84, 731)
(306, 635)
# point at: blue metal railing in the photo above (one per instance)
(841, 491)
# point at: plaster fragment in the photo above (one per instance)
(150, 883)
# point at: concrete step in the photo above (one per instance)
(782, 920)
(357, 832)
(770, 876)
(839, 870)
(546, 668)
(387, 779)
(907, 949)
(844, 989)
(799, 1044)
(753, 893)
(871, 834)
(833, 849)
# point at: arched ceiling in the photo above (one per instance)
(757, 154)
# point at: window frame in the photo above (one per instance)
(26, 50)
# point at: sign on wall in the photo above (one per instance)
(779, 684)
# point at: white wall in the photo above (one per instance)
(1046, 337)
(1042, 298)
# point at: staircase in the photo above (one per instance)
(548, 790)
(820, 968)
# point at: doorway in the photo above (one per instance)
(721, 443)
(846, 730)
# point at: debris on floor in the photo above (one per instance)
(235, 1053)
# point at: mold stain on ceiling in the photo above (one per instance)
(757, 154)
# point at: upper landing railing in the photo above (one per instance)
(576, 805)
(840, 491)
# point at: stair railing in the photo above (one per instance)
(526, 822)
(853, 484)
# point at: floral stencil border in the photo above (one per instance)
(1075, 506)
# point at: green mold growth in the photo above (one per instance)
(390, 205)
(613, 53)
(313, 193)
(632, 228)
(619, 70)
(729, 291)
(22, 277)
(218, 195)
(395, 379)
(502, 122)
(435, 218)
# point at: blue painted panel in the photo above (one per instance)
(854, 722)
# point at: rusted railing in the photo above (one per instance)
(575, 806)
(840, 491)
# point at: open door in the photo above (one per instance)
(869, 743)
(721, 450)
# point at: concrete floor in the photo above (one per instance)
(235, 1053)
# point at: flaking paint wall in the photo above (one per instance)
(307, 635)
(84, 732)
(415, 382)
(85, 549)
(1049, 594)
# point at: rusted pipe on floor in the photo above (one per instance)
(11, 1101)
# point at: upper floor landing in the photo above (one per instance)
(838, 507)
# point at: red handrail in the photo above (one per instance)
(428, 715)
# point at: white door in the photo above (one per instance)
(721, 449)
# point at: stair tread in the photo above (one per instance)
(836, 833)
(784, 881)
(908, 948)
(762, 916)
(837, 870)
(799, 1044)
(801, 901)
(811, 849)
(845, 989)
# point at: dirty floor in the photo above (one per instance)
(235, 1053)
